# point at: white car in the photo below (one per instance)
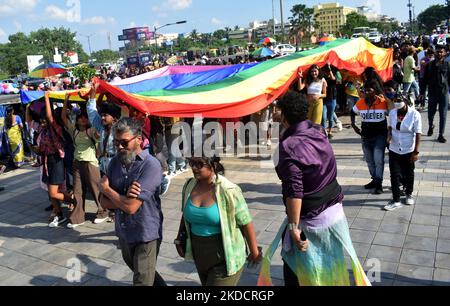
(375, 37)
(285, 49)
(356, 36)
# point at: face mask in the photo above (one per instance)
(400, 105)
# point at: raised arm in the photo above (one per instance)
(94, 117)
(48, 108)
(64, 118)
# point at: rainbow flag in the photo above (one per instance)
(253, 89)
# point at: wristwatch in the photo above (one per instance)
(292, 226)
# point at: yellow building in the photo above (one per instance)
(331, 16)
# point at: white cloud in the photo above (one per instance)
(132, 24)
(18, 25)
(179, 4)
(171, 5)
(14, 7)
(57, 13)
(97, 20)
(2, 33)
(3, 36)
(216, 21)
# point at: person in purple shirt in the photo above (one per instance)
(313, 199)
(132, 188)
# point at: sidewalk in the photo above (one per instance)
(412, 243)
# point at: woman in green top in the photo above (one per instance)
(218, 225)
(86, 172)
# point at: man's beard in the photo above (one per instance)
(127, 158)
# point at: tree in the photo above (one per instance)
(104, 56)
(302, 18)
(354, 20)
(433, 16)
(42, 42)
(84, 73)
(236, 28)
(220, 34)
(194, 35)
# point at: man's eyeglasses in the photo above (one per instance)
(123, 143)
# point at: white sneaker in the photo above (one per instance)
(72, 226)
(100, 220)
(393, 206)
(340, 126)
(410, 200)
(57, 221)
(269, 143)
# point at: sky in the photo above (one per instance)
(97, 18)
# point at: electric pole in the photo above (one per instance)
(273, 17)
(109, 41)
(410, 15)
(282, 21)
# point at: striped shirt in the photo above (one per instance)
(374, 122)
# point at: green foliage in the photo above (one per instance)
(84, 73)
(14, 54)
(354, 20)
(433, 16)
(104, 56)
(302, 18)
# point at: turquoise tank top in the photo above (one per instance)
(205, 222)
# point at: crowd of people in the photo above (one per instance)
(118, 155)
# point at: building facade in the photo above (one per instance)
(331, 17)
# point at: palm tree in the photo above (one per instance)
(194, 35)
(302, 18)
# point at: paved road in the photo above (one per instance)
(412, 244)
(5, 99)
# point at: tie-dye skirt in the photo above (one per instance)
(324, 263)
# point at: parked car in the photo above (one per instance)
(357, 35)
(284, 49)
(8, 88)
(374, 37)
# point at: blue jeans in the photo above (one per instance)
(329, 106)
(408, 86)
(433, 103)
(174, 162)
(374, 149)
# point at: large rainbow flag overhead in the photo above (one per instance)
(255, 88)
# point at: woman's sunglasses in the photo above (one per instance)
(197, 164)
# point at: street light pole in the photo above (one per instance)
(166, 25)
(273, 17)
(410, 15)
(89, 42)
(282, 21)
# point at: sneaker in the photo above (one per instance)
(73, 226)
(431, 131)
(165, 184)
(441, 139)
(2, 169)
(330, 136)
(269, 143)
(410, 200)
(100, 220)
(371, 185)
(340, 126)
(393, 206)
(171, 175)
(57, 221)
